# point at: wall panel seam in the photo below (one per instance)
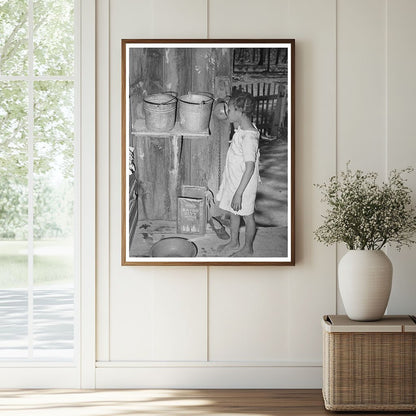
(103, 128)
(387, 86)
(207, 13)
(207, 314)
(336, 143)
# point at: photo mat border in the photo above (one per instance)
(126, 260)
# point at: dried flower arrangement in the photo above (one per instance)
(366, 215)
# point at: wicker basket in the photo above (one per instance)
(369, 366)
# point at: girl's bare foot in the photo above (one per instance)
(244, 252)
(231, 245)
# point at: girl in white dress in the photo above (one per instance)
(237, 193)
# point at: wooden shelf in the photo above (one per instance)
(139, 129)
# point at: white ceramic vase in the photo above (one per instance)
(364, 278)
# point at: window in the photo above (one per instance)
(38, 185)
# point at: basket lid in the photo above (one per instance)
(390, 323)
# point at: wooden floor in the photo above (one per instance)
(165, 402)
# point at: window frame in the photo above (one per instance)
(81, 371)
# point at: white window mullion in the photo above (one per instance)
(87, 193)
(30, 179)
(77, 178)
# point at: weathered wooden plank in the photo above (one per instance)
(203, 69)
(172, 155)
(177, 72)
(157, 173)
(146, 77)
(143, 175)
(154, 70)
(267, 119)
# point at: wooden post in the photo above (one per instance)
(211, 72)
(177, 70)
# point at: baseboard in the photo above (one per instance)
(210, 377)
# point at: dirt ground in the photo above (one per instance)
(268, 242)
(270, 214)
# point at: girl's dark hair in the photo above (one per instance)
(243, 101)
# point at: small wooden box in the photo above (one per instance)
(369, 366)
(192, 217)
(192, 210)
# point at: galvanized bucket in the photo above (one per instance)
(160, 111)
(195, 111)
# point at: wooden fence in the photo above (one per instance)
(270, 113)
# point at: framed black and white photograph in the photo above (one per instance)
(208, 152)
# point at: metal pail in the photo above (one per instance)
(160, 111)
(195, 111)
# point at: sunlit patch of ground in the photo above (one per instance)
(272, 193)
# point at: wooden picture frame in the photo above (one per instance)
(176, 135)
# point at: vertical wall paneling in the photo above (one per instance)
(180, 19)
(248, 315)
(315, 136)
(179, 311)
(245, 326)
(361, 84)
(160, 317)
(264, 19)
(361, 88)
(401, 139)
(146, 324)
(312, 24)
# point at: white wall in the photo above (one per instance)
(255, 326)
